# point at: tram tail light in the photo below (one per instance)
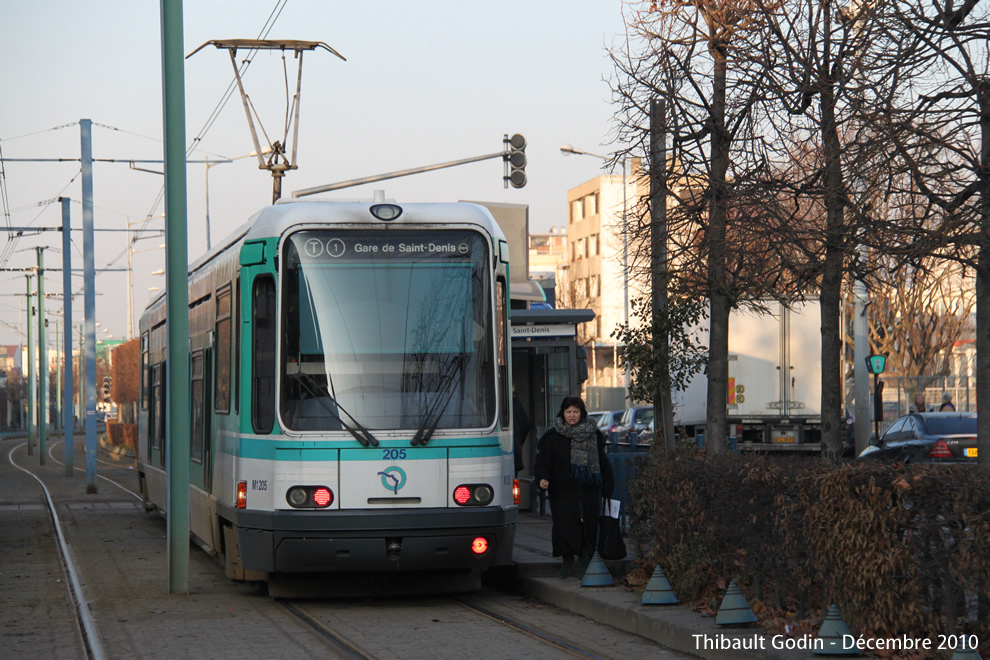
(241, 494)
(516, 497)
(474, 494)
(479, 546)
(309, 497)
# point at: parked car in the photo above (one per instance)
(646, 435)
(947, 438)
(595, 417)
(609, 422)
(636, 419)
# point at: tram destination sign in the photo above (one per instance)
(325, 247)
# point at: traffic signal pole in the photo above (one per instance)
(513, 154)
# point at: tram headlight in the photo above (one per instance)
(474, 494)
(297, 496)
(386, 212)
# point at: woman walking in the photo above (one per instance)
(572, 466)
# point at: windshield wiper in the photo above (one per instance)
(361, 434)
(427, 428)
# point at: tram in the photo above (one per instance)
(349, 394)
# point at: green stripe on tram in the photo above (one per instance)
(282, 449)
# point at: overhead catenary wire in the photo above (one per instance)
(12, 238)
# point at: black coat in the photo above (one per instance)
(553, 463)
(575, 507)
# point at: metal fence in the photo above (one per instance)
(898, 394)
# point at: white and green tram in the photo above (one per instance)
(349, 394)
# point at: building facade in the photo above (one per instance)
(594, 274)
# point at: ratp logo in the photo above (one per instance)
(393, 478)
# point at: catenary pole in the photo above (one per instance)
(43, 361)
(68, 423)
(89, 298)
(32, 369)
(176, 297)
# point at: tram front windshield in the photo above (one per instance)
(386, 330)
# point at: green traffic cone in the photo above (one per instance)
(734, 610)
(832, 632)
(965, 651)
(597, 574)
(658, 590)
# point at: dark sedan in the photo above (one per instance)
(947, 438)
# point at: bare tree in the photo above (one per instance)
(916, 317)
(826, 170)
(126, 378)
(686, 52)
(937, 117)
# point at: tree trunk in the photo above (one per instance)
(830, 295)
(662, 399)
(718, 349)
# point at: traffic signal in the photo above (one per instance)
(106, 389)
(515, 159)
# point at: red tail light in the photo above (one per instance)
(241, 495)
(479, 546)
(322, 497)
(939, 450)
(516, 498)
(462, 495)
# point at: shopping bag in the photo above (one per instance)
(610, 543)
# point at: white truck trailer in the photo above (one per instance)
(775, 382)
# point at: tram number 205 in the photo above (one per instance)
(393, 454)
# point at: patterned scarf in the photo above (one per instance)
(584, 451)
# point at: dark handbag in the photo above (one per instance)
(610, 543)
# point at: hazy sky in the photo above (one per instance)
(424, 82)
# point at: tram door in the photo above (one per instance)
(542, 375)
(199, 422)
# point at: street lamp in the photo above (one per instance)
(567, 150)
(155, 233)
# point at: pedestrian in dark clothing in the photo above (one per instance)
(572, 465)
(947, 405)
(520, 432)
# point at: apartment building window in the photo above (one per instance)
(593, 245)
(577, 211)
(591, 202)
(595, 286)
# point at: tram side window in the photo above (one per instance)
(157, 417)
(198, 395)
(145, 372)
(223, 328)
(503, 360)
(263, 356)
(237, 345)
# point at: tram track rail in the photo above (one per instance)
(515, 624)
(87, 626)
(313, 615)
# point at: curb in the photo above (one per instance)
(675, 627)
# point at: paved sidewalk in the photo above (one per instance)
(673, 626)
